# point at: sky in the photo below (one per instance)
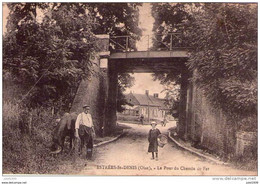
(143, 81)
(5, 14)
(146, 24)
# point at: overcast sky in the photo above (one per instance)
(5, 14)
(144, 82)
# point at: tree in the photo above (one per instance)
(223, 57)
(50, 56)
(125, 80)
(172, 98)
(48, 45)
(169, 18)
(118, 19)
(171, 81)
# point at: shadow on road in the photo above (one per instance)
(123, 126)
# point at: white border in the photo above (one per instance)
(41, 179)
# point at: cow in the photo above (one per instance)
(65, 127)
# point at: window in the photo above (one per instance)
(156, 112)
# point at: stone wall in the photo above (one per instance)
(94, 90)
(93, 93)
(209, 127)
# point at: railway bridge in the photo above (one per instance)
(198, 120)
(118, 54)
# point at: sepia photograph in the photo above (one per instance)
(130, 89)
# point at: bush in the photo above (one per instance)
(27, 137)
(224, 57)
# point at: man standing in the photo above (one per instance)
(85, 130)
(142, 119)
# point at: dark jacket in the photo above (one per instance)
(152, 138)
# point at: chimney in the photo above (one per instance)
(147, 92)
(155, 95)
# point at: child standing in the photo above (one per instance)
(152, 138)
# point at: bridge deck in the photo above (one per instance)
(150, 54)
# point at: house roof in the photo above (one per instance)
(143, 99)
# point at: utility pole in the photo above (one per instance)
(148, 112)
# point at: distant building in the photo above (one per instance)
(145, 103)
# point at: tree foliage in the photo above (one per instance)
(48, 56)
(223, 57)
(172, 98)
(169, 18)
(125, 80)
(48, 45)
(118, 19)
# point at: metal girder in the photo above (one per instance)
(150, 54)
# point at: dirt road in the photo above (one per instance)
(128, 156)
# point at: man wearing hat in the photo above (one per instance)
(85, 129)
(153, 141)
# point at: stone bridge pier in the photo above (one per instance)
(95, 90)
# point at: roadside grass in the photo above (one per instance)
(27, 137)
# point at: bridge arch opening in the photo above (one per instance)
(148, 63)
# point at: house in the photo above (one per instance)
(151, 106)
